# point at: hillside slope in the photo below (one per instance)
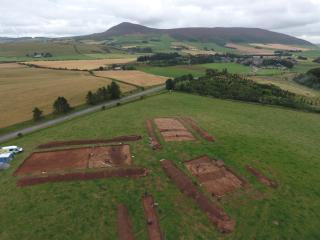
(217, 34)
(278, 141)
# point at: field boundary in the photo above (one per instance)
(133, 172)
(126, 99)
(131, 138)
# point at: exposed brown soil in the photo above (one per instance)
(125, 231)
(154, 141)
(67, 177)
(214, 176)
(152, 218)
(172, 129)
(261, 177)
(199, 130)
(58, 161)
(87, 142)
(185, 184)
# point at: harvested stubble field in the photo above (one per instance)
(249, 50)
(279, 46)
(279, 142)
(80, 64)
(133, 77)
(23, 88)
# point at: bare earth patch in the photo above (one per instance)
(261, 177)
(60, 161)
(133, 77)
(128, 172)
(152, 218)
(124, 224)
(87, 142)
(153, 137)
(214, 176)
(198, 129)
(185, 184)
(172, 129)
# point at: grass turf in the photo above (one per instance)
(281, 142)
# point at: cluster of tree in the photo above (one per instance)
(317, 60)
(60, 106)
(283, 53)
(232, 86)
(163, 59)
(115, 67)
(36, 54)
(278, 62)
(169, 59)
(140, 49)
(302, 57)
(310, 79)
(104, 94)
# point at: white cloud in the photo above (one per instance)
(300, 18)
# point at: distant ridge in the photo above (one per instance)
(220, 35)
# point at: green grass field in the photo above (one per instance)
(199, 70)
(280, 142)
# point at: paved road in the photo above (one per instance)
(34, 128)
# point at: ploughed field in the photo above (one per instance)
(278, 144)
(22, 88)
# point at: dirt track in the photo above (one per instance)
(152, 218)
(199, 130)
(262, 178)
(121, 172)
(154, 140)
(125, 231)
(93, 141)
(185, 184)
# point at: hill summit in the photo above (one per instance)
(220, 35)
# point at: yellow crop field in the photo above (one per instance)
(279, 47)
(250, 50)
(133, 77)
(23, 88)
(81, 64)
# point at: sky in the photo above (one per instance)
(58, 18)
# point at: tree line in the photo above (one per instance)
(221, 84)
(310, 79)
